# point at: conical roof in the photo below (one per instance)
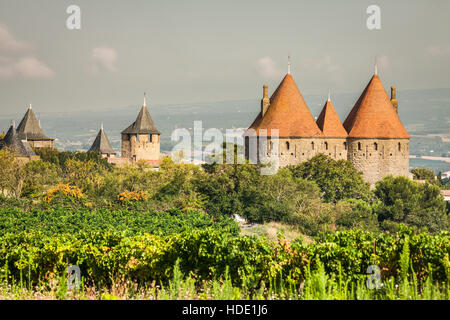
(373, 115)
(328, 121)
(143, 124)
(30, 129)
(13, 142)
(288, 113)
(101, 144)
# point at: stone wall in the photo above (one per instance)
(376, 158)
(139, 147)
(292, 151)
(41, 143)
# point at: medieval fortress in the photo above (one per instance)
(372, 136)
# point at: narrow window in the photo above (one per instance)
(287, 145)
(150, 137)
(271, 145)
(326, 145)
(359, 146)
(345, 145)
(375, 146)
(399, 147)
(312, 145)
(137, 136)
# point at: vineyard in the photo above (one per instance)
(135, 233)
(417, 261)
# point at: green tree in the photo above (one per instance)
(39, 175)
(403, 201)
(423, 174)
(12, 174)
(337, 179)
(353, 214)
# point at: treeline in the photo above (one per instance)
(317, 196)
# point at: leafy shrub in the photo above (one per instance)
(402, 201)
(64, 191)
(337, 179)
(208, 253)
(58, 220)
(127, 196)
(356, 214)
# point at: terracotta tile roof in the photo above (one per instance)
(328, 121)
(373, 115)
(288, 113)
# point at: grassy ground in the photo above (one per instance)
(317, 286)
(271, 230)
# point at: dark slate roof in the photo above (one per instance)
(101, 144)
(29, 128)
(13, 142)
(143, 124)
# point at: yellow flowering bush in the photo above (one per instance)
(132, 196)
(63, 190)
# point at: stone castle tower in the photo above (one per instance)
(335, 136)
(141, 140)
(299, 136)
(102, 146)
(20, 148)
(372, 137)
(30, 130)
(378, 143)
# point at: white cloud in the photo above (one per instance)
(17, 59)
(438, 50)
(27, 67)
(268, 69)
(9, 44)
(103, 58)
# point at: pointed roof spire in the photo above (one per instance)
(289, 65)
(143, 124)
(145, 100)
(101, 143)
(288, 113)
(18, 146)
(329, 95)
(29, 128)
(376, 67)
(30, 106)
(101, 126)
(373, 115)
(329, 122)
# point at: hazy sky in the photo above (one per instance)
(200, 51)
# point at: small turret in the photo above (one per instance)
(393, 99)
(265, 101)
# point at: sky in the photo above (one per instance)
(182, 52)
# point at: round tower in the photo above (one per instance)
(377, 143)
(334, 143)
